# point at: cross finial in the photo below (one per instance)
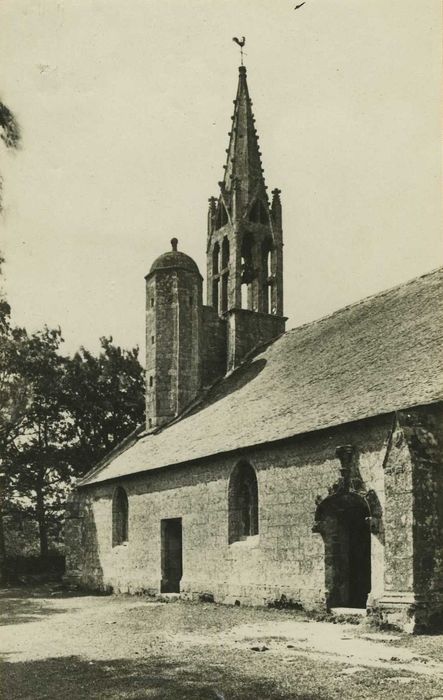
(241, 42)
(174, 243)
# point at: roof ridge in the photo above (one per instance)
(294, 395)
(360, 302)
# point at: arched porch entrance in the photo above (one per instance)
(344, 523)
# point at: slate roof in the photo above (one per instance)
(373, 357)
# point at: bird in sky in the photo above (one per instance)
(301, 5)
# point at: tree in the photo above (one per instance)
(58, 417)
(38, 468)
(9, 134)
(80, 408)
(15, 397)
(105, 401)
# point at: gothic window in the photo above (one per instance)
(225, 253)
(224, 293)
(244, 296)
(215, 293)
(266, 256)
(267, 248)
(216, 258)
(225, 274)
(221, 217)
(120, 512)
(243, 503)
(247, 270)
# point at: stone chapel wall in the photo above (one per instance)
(285, 558)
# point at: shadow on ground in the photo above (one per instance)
(24, 604)
(78, 679)
(14, 611)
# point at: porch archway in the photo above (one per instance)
(343, 520)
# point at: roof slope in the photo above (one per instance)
(379, 355)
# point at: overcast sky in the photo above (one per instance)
(125, 108)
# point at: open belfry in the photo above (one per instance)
(189, 345)
(297, 468)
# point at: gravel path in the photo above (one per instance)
(54, 646)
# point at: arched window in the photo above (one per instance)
(248, 273)
(221, 217)
(243, 503)
(119, 517)
(225, 274)
(225, 253)
(216, 258)
(267, 248)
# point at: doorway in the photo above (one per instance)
(347, 537)
(171, 555)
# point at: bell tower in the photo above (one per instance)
(245, 240)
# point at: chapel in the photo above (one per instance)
(299, 468)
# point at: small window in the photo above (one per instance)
(152, 302)
(243, 503)
(191, 301)
(151, 380)
(152, 339)
(150, 422)
(119, 517)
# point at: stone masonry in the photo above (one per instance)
(303, 467)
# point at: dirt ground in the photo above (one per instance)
(71, 647)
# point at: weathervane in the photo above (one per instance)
(241, 42)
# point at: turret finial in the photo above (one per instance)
(174, 243)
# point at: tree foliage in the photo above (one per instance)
(9, 134)
(105, 395)
(58, 416)
(38, 464)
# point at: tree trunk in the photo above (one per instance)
(40, 509)
(3, 571)
(41, 519)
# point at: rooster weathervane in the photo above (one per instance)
(241, 42)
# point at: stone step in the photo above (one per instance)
(349, 612)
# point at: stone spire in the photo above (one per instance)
(243, 179)
(244, 250)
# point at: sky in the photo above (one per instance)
(124, 109)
